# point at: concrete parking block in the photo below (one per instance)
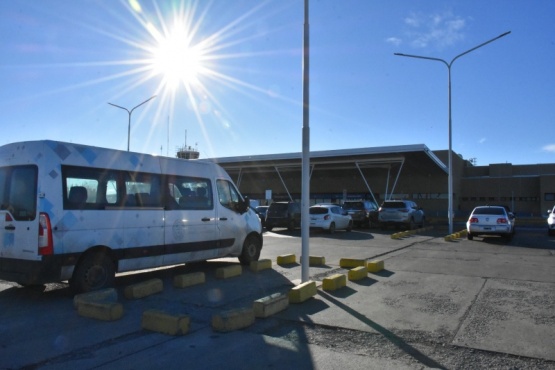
(334, 282)
(143, 289)
(229, 271)
(286, 259)
(375, 266)
(186, 280)
(109, 295)
(351, 262)
(317, 260)
(358, 273)
(233, 320)
(257, 266)
(105, 311)
(165, 323)
(302, 292)
(270, 305)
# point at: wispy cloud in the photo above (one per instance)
(394, 41)
(549, 148)
(482, 140)
(436, 29)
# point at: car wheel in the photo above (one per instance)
(412, 225)
(332, 228)
(95, 271)
(251, 250)
(350, 226)
(469, 236)
(423, 222)
(549, 232)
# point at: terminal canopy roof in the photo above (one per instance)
(403, 160)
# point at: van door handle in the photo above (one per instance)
(223, 219)
(10, 227)
(205, 219)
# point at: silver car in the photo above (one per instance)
(399, 213)
(491, 220)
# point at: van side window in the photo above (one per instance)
(190, 193)
(142, 190)
(227, 194)
(18, 191)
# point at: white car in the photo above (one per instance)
(329, 217)
(551, 222)
(491, 220)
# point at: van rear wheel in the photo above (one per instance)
(251, 250)
(95, 271)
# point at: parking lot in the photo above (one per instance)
(438, 304)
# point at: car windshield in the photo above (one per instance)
(318, 210)
(279, 206)
(353, 206)
(489, 211)
(393, 205)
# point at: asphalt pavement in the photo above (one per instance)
(437, 304)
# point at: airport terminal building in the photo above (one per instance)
(395, 172)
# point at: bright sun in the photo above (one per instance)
(176, 60)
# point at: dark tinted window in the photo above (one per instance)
(318, 210)
(489, 211)
(394, 205)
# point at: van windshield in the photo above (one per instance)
(18, 191)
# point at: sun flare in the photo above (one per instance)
(176, 60)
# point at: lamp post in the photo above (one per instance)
(450, 154)
(129, 112)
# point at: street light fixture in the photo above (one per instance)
(450, 174)
(129, 112)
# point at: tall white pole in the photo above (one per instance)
(305, 191)
(450, 154)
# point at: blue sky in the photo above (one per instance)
(63, 61)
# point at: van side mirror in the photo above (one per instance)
(243, 206)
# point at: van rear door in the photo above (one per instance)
(18, 214)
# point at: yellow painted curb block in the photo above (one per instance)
(358, 273)
(302, 292)
(286, 259)
(229, 271)
(395, 236)
(109, 295)
(316, 260)
(334, 282)
(187, 280)
(375, 266)
(107, 311)
(144, 289)
(257, 266)
(448, 238)
(164, 323)
(270, 305)
(233, 319)
(351, 262)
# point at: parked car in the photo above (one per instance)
(283, 214)
(330, 218)
(490, 220)
(551, 222)
(261, 211)
(364, 213)
(401, 213)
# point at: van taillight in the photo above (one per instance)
(8, 218)
(45, 235)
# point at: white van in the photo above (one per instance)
(81, 213)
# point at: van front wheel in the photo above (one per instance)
(94, 272)
(251, 250)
